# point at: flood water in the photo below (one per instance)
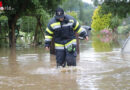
(101, 66)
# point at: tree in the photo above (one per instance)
(120, 8)
(100, 22)
(42, 18)
(84, 10)
(74, 14)
(21, 8)
(71, 5)
(3, 26)
(18, 9)
(3, 30)
(115, 22)
(87, 18)
(81, 13)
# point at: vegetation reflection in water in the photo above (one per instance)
(105, 43)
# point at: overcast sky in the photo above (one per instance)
(88, 1)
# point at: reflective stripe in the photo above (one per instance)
(49, 31)
(59, 46)
(81, 30)
(72, 21)
(55, 25)
(77, 24)
(70, 43)
(48, 37)
(68, 24)
(74, 42)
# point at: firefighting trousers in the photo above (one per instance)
(64, 57)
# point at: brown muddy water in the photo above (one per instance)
(101, 66)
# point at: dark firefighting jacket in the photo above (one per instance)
(63, 32)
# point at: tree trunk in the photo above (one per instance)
(0, 27)
(52, 47)
(77, 40)
(12, 23)
(36, 39)
(36, 32)
(41, 27)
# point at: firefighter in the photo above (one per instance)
(62, 29)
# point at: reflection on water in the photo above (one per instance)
(104, 43)
(101, 66)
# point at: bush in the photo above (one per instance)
(100, 22)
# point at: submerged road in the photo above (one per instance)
(101, 66)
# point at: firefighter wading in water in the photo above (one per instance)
(62, 28)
